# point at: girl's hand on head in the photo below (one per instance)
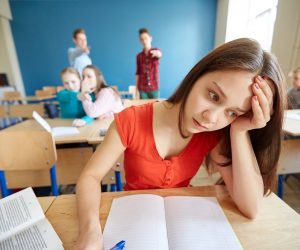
(78, 123)
(262, 107)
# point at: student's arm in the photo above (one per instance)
(73, 53)
(105, 102)
(82, 121)
(88, 190)
(243, 179)
(156, 53)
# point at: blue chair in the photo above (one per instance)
(26, 151)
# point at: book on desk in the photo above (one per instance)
(176, 222)
(23, 224)
(56, 131)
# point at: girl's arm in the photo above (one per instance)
(88, 189)
(104, 103)
(243, 179)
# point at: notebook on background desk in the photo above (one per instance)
(176, 222)
(56, 131)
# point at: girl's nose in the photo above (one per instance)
(210, 116)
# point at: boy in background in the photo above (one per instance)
(79, 56)
(147, 71)
(294, 93)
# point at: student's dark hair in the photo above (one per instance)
(144, 30)
(78, 31)
(244, 55)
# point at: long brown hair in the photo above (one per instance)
(101, 83)
(244, 55)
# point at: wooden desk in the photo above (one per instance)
(276, 227)
(94, 137)
(28, 98)
(291, 126)
(86, 134)
(46, 202)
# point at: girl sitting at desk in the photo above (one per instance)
(70, 106)
(228, 110)
(107, 100)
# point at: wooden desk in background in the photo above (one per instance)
(28, 98)
(291, 126)
(276, 227)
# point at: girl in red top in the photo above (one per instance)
(228, 109)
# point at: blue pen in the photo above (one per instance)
(119, 246)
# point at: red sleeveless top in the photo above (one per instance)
(144, 168)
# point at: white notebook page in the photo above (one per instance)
(198, 223)
(139, 220)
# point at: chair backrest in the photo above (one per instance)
(20, 150)
(43, 93)
(12, 95)
(132, 90)
(129, 103)
(2, 111)
(51, 89)
(289, 160)
(27, 151)
(25, 110)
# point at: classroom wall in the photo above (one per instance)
(8, 59)
(42, 30)
(286, 38)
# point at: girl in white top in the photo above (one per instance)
(107, 101)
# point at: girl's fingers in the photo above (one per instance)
(262, 100)
(268, 89)
(259, 120)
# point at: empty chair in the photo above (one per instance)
(50, 89)
(43, 93)
(132, 90)
(25, 110)
(26, 151)
(12, 95)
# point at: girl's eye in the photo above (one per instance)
(232, 114)
(213, 96)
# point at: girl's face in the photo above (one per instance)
(71, 81)
(89, 81)
(217, 99)
(296, 80)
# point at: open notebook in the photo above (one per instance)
(23, 224)
(56, 131)
(151, 222)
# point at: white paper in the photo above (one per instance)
(61, 131)
(23, 224)
(139, 220)
(56, 131)
(175, 223)
(41, 121)
(198, 223)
